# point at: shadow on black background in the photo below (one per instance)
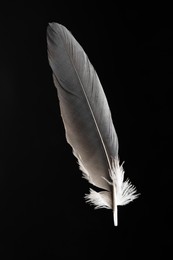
(42, 209)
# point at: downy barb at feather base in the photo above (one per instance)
(87, 120)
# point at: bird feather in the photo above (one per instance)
(87, 120)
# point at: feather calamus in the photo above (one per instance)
(87, 120)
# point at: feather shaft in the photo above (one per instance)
(115, 207)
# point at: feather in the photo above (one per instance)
(87, 120)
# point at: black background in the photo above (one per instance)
(42, 208)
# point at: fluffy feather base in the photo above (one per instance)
(123, 191)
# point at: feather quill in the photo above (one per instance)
(87, 120)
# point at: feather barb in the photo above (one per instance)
(123, 192)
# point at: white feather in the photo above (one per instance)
(87, 120)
